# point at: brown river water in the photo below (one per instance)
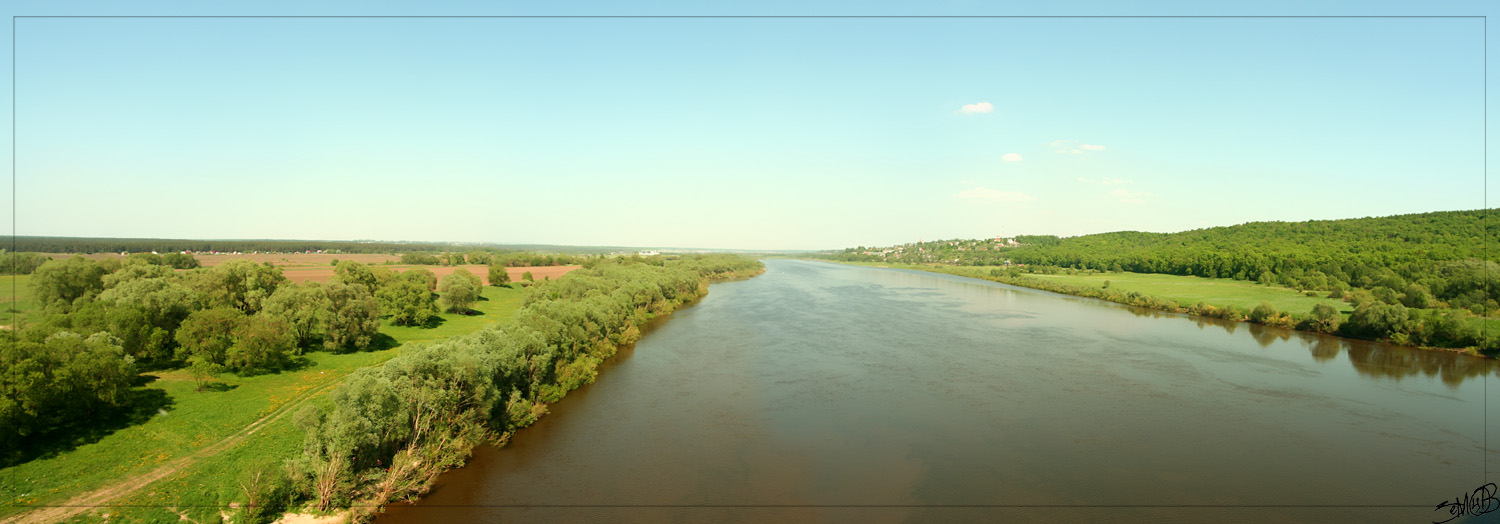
(820, 392)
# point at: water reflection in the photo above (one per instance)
(818, 385)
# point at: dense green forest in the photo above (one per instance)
(106, 321)
(392, 430)
(1412, 279)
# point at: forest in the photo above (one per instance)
(1416, 279)
(106, 321)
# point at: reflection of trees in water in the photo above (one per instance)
(1323, 349)
(1266, 335)
(1387, 361)
(1372, 359)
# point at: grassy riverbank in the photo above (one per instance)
(1187, 294)
(388, 432)
(214, 436)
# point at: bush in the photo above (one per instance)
(1263, 312)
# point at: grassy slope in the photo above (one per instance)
(195, 420)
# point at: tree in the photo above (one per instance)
(304, 308)
(498, 275)
(180, 261)
(207, 335)
(423, 276)
(63, 281)
(261, 343)
(1387, 295)
(1325, 318)
(1418, 296)
(351, 272)
(238, 283)
(354, 317)
(134, 272)
(527, 277)
(408, 302)
(62, 379)
(1262, 312)
(459, 290)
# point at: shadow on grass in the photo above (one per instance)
(433, 322)
(143, 403)
(382, 342)
(217, 387)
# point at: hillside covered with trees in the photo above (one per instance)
(1410, 278)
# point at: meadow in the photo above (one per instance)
(185, 457)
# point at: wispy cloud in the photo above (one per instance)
(972, 109)
(986, 195)
(1073, 147)
(1105, 181)
(1131, 197)
(1011, 157)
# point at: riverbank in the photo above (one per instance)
(1239, 301)
(437, 403)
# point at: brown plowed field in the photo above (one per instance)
(322, 274)
(310, 267)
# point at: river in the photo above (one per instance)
(820, 392)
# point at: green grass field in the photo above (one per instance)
(20, 307)
(193, 421)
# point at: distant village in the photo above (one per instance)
(939, 251)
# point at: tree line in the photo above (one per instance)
(164, 245)
(389, 431)
(1431, 260)
(104, 321)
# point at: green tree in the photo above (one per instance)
(238, 283)
(1418, 296)
(423, 276)
(351, 272)
(304, 308)
(459, 290)
(1263, 312)
(180, 261)
(60, 282)
(408, 302)
(65, 378)
(498, 275)
(354, 317)
(206, 336)
(1325, 318)
(527, 277)
(261, 343)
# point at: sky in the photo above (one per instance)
(737, 133)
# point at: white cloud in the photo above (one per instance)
(1131, 197)
(1011, 157)
(986, 195)
(1073, 147)
(982, 107)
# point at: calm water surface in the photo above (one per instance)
(828, 393)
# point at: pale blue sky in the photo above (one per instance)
(755, 133)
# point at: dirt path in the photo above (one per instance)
(49, 513)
